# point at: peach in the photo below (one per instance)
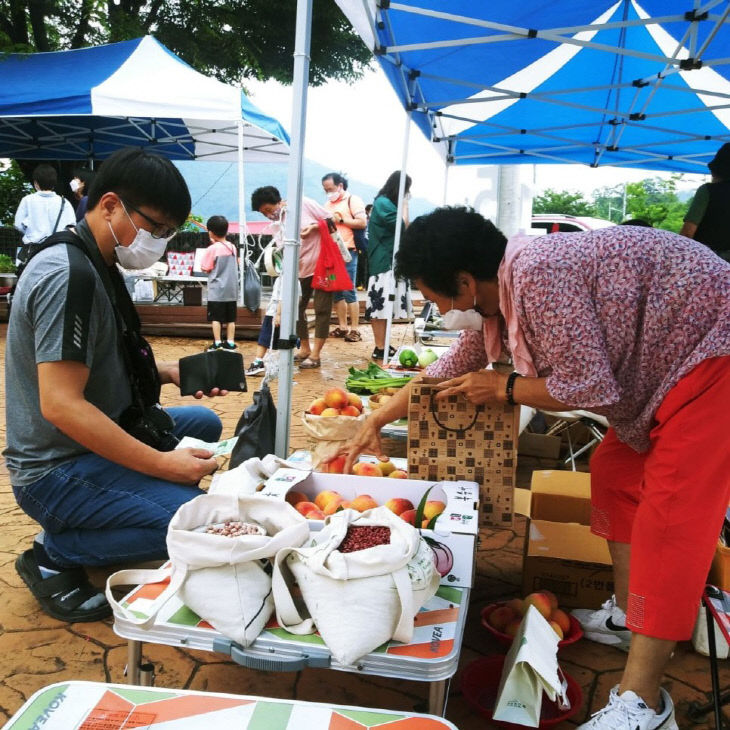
(432, 508)
(335, 466)
(295, 497)
(541, 602)
(399, 505)
(500, 617)
(349, 411)
(325, 496)
(398, 474)
(315, 514)
(354, 400)
(409, 516)
(363, 502)
(304, 507)
(552, 597)
(561, 619)
(345, 504)
(336, 398)
(330, 413)
(366, 469)
(386, 467)
(517, 605)
(557, 629)
(333, 505)
(317, 406)
(513, 627)
(425, 523)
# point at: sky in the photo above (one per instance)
(359, 129)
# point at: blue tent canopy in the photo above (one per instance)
(599, 82)
(87, 103)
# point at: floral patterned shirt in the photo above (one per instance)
(613, 318)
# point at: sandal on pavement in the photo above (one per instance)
(379, 353)
(61, 595)
(299, 358)
(338, 332)
(309, 363)
(353, 336)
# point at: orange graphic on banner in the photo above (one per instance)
(424, 651)
(438, 616)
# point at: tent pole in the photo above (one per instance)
(242, 238)
(396, 240)
(290, 268)
(447, 167)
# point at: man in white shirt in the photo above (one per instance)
(43, 212)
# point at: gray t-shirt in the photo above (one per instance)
(60, 312)
(223, 279)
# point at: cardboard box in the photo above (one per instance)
(720, 570)
(561, 554)
(539, 444)
(456, 528)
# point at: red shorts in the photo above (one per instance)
(669, 502)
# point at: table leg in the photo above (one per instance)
(437, 697)
(713, 665)
(134, 658)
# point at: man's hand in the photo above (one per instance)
(170, 373)
(482, 386)
(186, 466)
(308, 229)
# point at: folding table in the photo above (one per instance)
(99, 706)
(432, 656)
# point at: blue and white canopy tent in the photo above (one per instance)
(634, 84)
(85, 104)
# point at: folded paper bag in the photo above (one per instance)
(213, 369)
(530, 668)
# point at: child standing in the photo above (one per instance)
(221, 265)
(271, 322)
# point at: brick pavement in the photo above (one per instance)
(36, 650)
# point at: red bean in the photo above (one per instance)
(364, 537)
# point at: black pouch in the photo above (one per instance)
(213, 369)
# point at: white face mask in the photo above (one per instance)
(334, 197)
(143, 251)
(456, 319)
(74, 185)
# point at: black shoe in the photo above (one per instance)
(379, 353)
(215, 346)
(229, 345)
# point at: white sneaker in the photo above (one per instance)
(629, 712)
(607, 625)
(256, 368)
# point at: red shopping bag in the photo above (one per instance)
(330, 273)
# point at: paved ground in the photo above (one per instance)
(36, 650)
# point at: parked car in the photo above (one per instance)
(559, 223)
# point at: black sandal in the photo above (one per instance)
(379, 353)
(61, 595)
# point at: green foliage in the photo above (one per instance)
(7, 265)
(562, 201)
(233, 40)
(13, 186)
(189, 224)
(655, 200)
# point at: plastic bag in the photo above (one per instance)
(256, 428)
(330, 273)
(251, 288)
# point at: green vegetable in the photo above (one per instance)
(372, 380)
(426, 357)
(408, 358)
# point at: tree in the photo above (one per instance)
(609, 203)
(655, 200)
(233, 40)
(13, 187)
(565, 202)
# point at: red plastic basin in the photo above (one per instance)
(575, 633)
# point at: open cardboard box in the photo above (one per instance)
(455, 529)
(561, 554)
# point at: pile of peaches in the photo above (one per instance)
(505, 618)
(328, 502)
(336, 402)
(364, 468)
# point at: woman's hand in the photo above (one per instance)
(304, 232)
(482, 386)
(366, 441)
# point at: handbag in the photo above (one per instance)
(222, 578)
(359, 235)
(355, 600)
(256, 429)
(330, 273)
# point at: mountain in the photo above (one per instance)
(214, 186)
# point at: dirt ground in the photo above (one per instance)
(36, 650)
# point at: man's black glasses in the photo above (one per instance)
(159, 230)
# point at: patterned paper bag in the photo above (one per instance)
(454, 439)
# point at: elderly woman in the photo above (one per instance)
(631, 323)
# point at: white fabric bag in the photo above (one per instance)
(359, 600)
(221, 578)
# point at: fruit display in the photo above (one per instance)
(504, 619)
(336, 402)
(408, 358)
(426, 357)
(373, 380)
